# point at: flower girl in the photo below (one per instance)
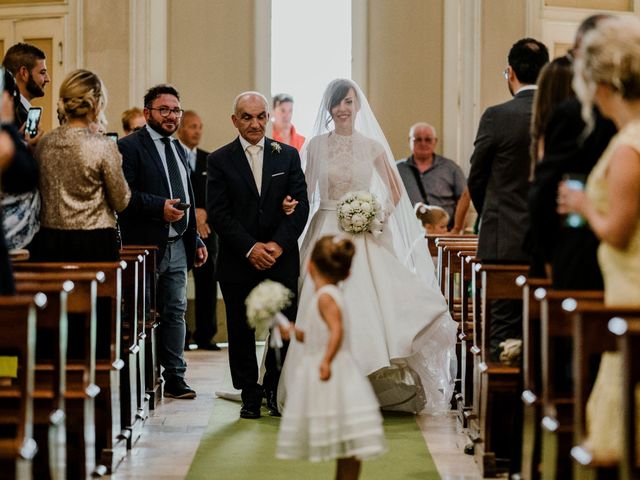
(331, 411)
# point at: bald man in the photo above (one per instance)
(428, 177)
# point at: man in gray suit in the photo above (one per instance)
(498, 180)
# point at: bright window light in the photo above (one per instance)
(310, 46)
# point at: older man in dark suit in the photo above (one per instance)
(498, 179)
(160, 213)
(247, 181)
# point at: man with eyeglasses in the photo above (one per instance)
(161, 212)
(428, 177)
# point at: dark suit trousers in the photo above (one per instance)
(506, 322)
(242, 347)
(206, 295)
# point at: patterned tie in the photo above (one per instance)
(256, 164)
(177, 187)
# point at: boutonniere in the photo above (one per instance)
(276, 147)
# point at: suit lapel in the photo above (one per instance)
(242, 164)
(148, 144)
(267, 168)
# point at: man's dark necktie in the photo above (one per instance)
(177, 187)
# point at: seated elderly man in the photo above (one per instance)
(428, 177)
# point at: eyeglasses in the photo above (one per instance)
(505, 73)
(165, 111)
(421, 139)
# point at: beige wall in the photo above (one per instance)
(405, 56)
(497, 38)
(106, 52)
(211, 59)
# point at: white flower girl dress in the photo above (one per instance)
(337, 418)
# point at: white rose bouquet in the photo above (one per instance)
(264, 304)
(360, 212)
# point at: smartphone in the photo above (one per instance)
(182, 206)
(112, 136)
(33, 120)
(575, 182)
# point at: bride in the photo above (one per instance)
(401, 332)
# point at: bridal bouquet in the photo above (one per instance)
(360, 212)
(264, 304)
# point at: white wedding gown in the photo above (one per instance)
(401, 333)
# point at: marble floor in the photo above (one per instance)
(172, 433)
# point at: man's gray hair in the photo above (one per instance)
(248, 94)
(422, 124)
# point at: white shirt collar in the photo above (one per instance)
(526, 87)
(246, 144)
(25, 103)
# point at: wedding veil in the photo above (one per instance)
(402, 228)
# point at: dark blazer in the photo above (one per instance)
(498, 179)
(142, 221)
(21, 114)
(572, 251)
(241, 217)
(199, 179)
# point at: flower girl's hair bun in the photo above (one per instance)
(332, 256)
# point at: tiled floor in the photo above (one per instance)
(172, 433)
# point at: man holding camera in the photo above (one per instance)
(160, 213)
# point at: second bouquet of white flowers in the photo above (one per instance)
(264, 304)
(360, 212)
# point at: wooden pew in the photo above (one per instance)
(110, 437)
(590, 330)
(18, 339)
(133, 306)
(464, 399)
(153, 377)
(495, 384)
(627, 332)
(556, 391)
(531, 360)
(81, 389)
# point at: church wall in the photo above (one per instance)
(210, 59)
(498, 33)
(405, 59)
(105, 51)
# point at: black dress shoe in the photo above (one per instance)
(178, 388)
(208, 346)
(250, 411)
(272, 403)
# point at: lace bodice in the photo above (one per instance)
(346, 172)
(342, 163)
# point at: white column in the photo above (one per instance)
(462, 37)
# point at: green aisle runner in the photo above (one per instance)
(235, 449)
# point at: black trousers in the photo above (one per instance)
(243, 362)
(206, 295)
(506, 322)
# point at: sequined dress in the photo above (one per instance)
(82, 187)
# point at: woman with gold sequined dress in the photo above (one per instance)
(81, 179)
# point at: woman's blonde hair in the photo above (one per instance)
(609, 55)
(82, 94)
(430, 214)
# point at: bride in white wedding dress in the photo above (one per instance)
(401, 332)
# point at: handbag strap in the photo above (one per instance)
(416, 175)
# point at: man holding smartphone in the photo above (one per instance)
(159, 213)
(28, 64)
